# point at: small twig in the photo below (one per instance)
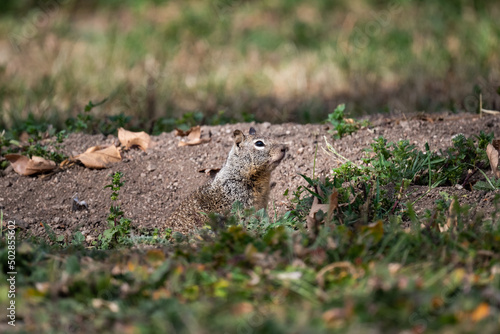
(469, 175)
(332, 150)
(314, 162)
(491, 112)
(423, 195)
(480, 105)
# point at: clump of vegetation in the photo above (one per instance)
(399, 162)
(362, 277)
(50, 149)
(376, 188)
(119, 226)
(41, 144)
(341, 124)
(87, 122)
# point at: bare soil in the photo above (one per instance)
(158, 179)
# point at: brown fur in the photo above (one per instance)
(245, 177)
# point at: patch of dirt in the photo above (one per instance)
(158, 179)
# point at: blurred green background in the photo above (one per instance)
(227, 60)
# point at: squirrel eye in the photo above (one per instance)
(259, 143)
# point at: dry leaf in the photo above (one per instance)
(374, 230)
(481, 312)
(26, 166)
(337, 316)
(181, 133)
(496, 144)
(312, 220)
(343, 266)
(99, 156)
(194, 137)
(242, 308)
(333, 202)
(451, 220)
(129, 139)
(492, 154)
(432, 223)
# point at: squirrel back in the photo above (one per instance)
(244, 177)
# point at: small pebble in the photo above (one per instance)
(151, 167)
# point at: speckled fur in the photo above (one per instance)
(245, 177)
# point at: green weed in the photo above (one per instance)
(379, 276)
(38, 145)
(374, 189)
(119, 226)
(85, 119)
(341, 124)
(50, 150)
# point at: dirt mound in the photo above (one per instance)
(158, 179)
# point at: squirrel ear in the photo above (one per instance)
(252, 131)
(238, 137)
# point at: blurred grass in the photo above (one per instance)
(371, 279)
(279, 60)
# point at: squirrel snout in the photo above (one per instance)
(279, 153)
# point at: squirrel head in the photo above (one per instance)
(259, 153)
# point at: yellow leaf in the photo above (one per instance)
(131, 266)
(161, 293)
(155, 255)
(481, 312)
(220, 288)
(376, 230)
(33, 293)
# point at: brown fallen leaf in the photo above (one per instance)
(181, 133)
(333, 202)
(194, 137)
(242, 308)
(99, 156)
(432, 224)
(129, 139)
(25, 166)
(492, 154)
(338, 315)
(451, 219)
(312, 219)
(496, 144)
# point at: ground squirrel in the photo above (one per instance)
(245, 177)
